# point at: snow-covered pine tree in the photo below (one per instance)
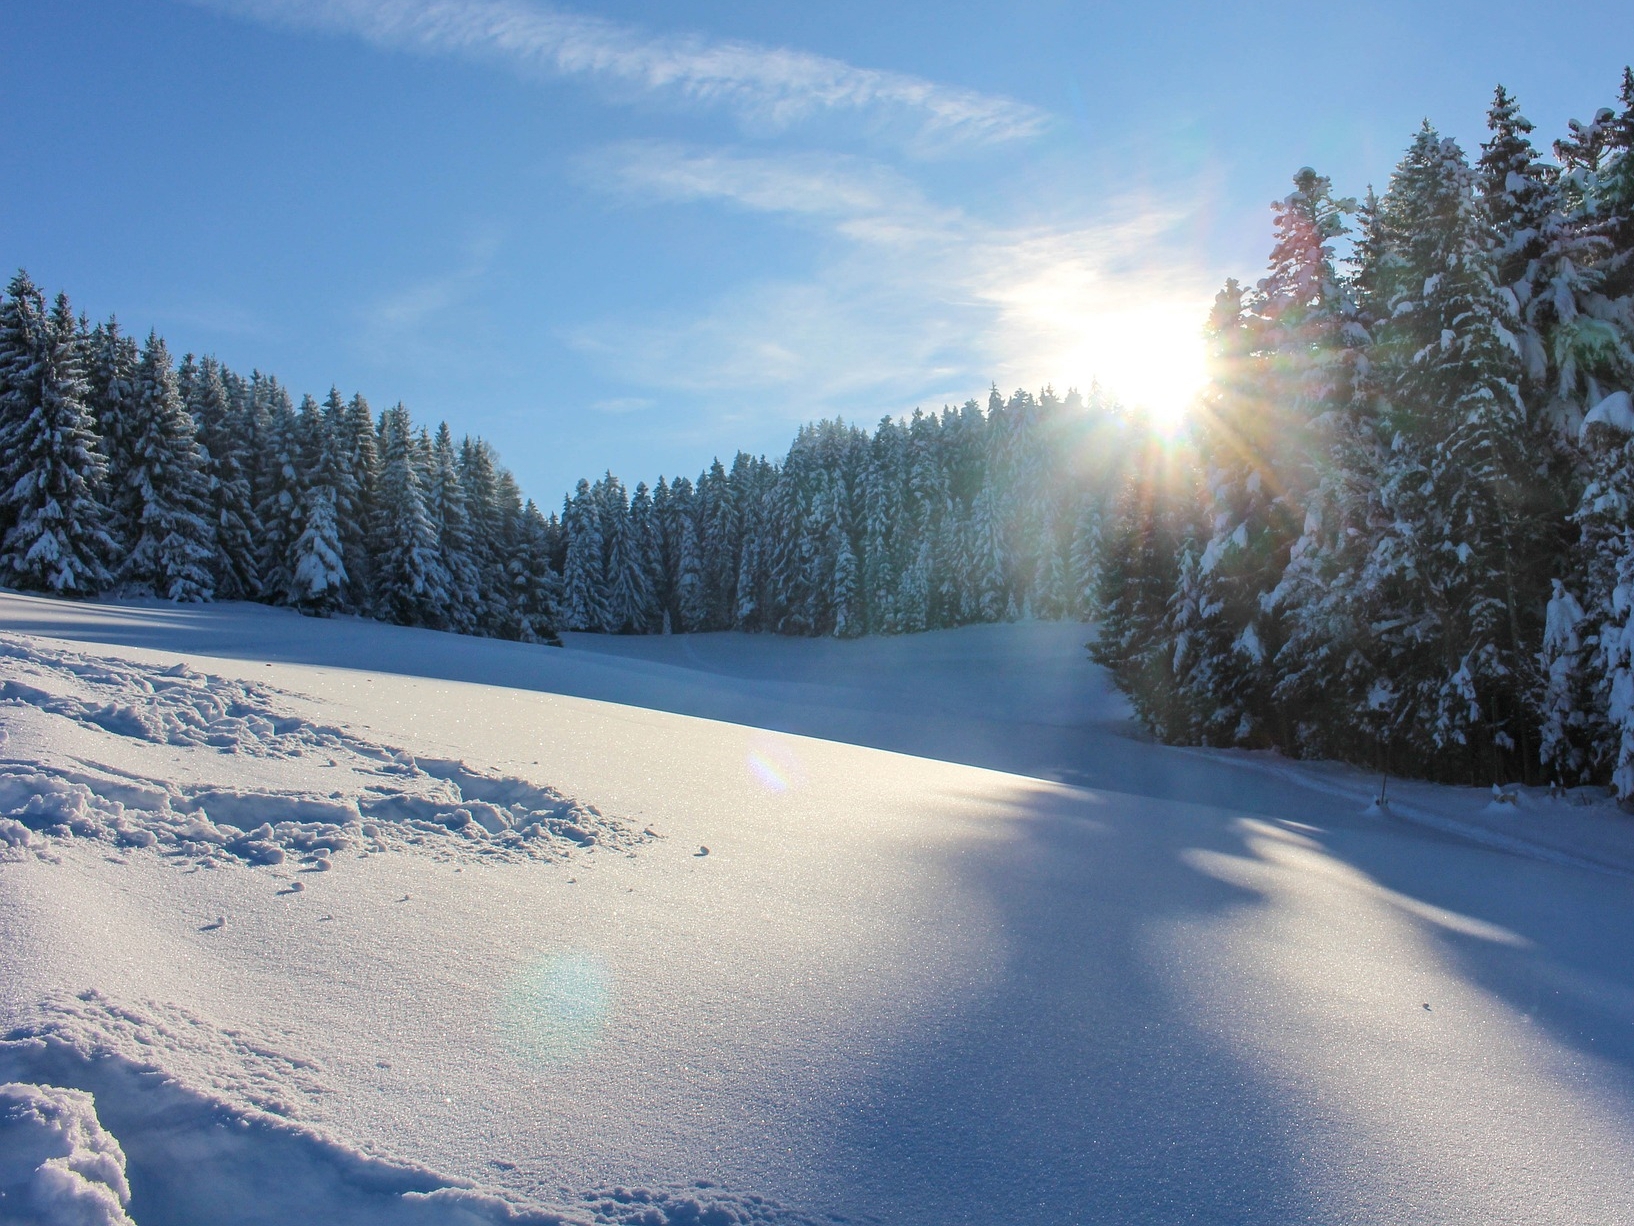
(1144, 537)
(985, 558)
(1616, 204)
(691, 593)
(279, 496)
(318, 583)
(665, 530)
(111, 374)
(51, 474)
(1085, 558)
(1565, 701)
(481, 476)
(1217, 619)
(335, 465)
(882, 510)
(411, 586)
(629, 588)
(451, 521)
(719, 541)
(926, 508)
(1277, 378)
(505, 618)
(174, 541)
(846, 587)
(1464, 543)
(536, 588)
(222, 445)
(24, 329)
(1602, 584)
(357, 441)
(318, 580)
(584, 603)
(1519, 198)
(646, 548)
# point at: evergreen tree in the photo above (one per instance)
(111, 374)
(318, 584)
(358, 444)
(223, 437)
(411, 586)
(281, 492)
(536, 587)
(629, 590)
(1143, 545)
(24, 333)
(446, 506)
(174, 542)
(51, 473)
(584, 603)
(691, 594)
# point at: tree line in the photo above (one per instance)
(123, 472)
(970, 515)
(1401, 530)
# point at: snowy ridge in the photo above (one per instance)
(204, 1106)
(57, 1163)
(388, 800)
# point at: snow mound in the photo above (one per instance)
(701, 1204)
(213, 1118)
(57, 1164)
(168, 706)
(240, 1068)
(1616, 411)
(384, 799)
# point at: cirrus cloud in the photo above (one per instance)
(764, 86)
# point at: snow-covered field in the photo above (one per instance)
(330, 922)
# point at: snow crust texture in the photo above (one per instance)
(388, 798)
(223, 1130)
(57, 1164)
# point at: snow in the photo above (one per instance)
(57, 1164)
(964, 947)
(1616, 410)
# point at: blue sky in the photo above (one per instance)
(634, 236)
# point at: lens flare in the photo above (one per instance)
(555, 1009)
(768, 774)
(774, 765)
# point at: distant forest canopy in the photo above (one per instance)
(1401, 528)
(124, 473)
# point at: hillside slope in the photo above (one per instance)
(341, 922)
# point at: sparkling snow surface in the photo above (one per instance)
(338, 922)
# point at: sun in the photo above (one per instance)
(1150, 358)
(1154, 362)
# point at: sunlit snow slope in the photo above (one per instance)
(336, 922)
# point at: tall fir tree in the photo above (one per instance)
(411, 586)
(223, 440)
(51, 474)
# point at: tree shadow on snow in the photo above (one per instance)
(1123, 1067)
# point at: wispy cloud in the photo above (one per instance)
(619, 405)
(398, 316)
(765, 86)
(919, 300)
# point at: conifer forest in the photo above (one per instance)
(1398, 528)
